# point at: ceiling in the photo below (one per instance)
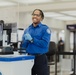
(61, 15)
(15, 2)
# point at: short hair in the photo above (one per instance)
(41, 13)
(2, 22)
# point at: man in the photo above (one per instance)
(36, 40)
(61, 45)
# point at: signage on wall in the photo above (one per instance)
(71, 27)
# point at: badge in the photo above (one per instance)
(48, 31)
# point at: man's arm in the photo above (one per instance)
(44, 41)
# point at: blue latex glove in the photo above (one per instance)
(28, 37)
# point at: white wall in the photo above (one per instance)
(70, 22)
(54, 23)
(8, 15)
(24, 18)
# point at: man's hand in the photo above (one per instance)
(28, 37)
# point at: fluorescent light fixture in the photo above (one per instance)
(33, 1)
(6, 3)
(52, 14)
(58, 16)
(73, 13)
(67, 0)
(65, 18)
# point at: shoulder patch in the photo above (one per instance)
(48, 31)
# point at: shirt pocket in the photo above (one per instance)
(38, 35)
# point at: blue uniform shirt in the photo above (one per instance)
(41, 38)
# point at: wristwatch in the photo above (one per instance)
(31, 41)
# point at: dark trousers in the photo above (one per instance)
(40, 65)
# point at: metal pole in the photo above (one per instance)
(55, 64)
(74, 51)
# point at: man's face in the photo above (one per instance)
(36, 17)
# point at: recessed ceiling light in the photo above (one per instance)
(52, 14)
(65, 18)
(33, 1)
(73, 13)
(67, 0)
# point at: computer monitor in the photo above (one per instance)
(20, 34)
(1, 34)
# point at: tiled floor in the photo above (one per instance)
(59, 72)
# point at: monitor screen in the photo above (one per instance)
(1, 34)
(20, 34)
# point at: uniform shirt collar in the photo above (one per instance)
(37, 25)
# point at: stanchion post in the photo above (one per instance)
(55, 63)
